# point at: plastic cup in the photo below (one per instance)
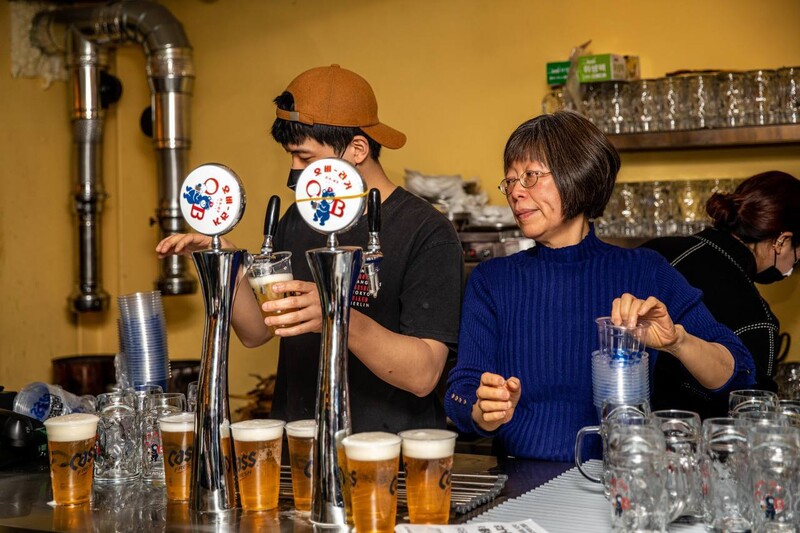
(71, 444)
(42, 401)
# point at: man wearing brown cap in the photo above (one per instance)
(399, 341)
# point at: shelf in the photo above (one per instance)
(709, 138)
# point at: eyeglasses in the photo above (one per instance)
(528, 179)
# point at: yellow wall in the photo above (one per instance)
(455, 76)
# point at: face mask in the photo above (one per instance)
(294, 176)
(772, 274)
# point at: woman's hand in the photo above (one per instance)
(302, 312)
(662, 334)
(184, 244)
(497, 400)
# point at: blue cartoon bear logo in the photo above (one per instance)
(323, 207)
(194, 197)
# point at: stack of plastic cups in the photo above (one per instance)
(143, 338)
(620, 368)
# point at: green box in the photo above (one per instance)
(602, 67)
(557, 72)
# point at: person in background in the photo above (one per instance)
(523, 373)
(754, 239)
(399, 342)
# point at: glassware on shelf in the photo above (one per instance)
(645, 99)
(763, 108)
(733, 99)
(788, 80)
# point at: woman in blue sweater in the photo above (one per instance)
(527, 325)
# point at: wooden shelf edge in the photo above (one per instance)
(709, 138)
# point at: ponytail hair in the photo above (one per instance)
(760, 208)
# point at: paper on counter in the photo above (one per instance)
(524, 526)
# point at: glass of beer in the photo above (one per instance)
(372, 467)
(177, 441)
(266, 270)
(300, 434)
(257, 444)
(71, 440)
(428, 462)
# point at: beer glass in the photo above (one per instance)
(157, 405)
(372, 466)
(300, 435)
(724, 472)
(428, 462)
(682, 435)
(741, 401)
(774, 459)
(177, 440)
(71, 440)
(266, 270)
(257, 444)
(637, 478)
(119, 456)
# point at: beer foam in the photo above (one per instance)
(177, 423)
(303, 429)
(262, 281)
(72, 427)
(372, 446)
(257, 430)
(428, 443)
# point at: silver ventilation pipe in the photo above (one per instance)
(170, 74)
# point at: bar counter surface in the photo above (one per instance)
(143, 508)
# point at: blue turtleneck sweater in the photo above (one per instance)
(531, 315)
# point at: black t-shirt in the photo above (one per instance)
(723, 268)
(421, 279)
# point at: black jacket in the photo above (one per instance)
(723, 268)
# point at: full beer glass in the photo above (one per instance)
(300, 435)
(372, 466)
(428, 462)
(71, 441)
(257, 444)
(266, 270)
(177, 441)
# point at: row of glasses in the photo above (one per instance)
(659, 208)
(693, 100)
(651, 472)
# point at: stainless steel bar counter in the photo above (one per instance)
(143, 508)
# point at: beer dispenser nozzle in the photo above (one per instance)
(330, 196)
(212, 204)
(373, 256)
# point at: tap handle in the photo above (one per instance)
(271, 218)
(374, 211)
(270, 223)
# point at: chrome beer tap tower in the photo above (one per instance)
(330, 196)
(212, 203)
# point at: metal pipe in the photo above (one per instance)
(170, 73)
(86, 60)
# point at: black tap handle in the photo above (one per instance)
(374, 211)
(271, 218)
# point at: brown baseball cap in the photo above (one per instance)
(335, 96)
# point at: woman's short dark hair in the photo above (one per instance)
(761, 208)
(337, 137)
(583, 161)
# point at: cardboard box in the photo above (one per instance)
(557, 72)
(607, 67)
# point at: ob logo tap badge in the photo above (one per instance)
(330, 195)
(212, 199)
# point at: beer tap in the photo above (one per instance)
(270, 223)
(212, 203)
(374, 256)
(330, 196)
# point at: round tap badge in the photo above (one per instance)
(212, 199)
(330, 195)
